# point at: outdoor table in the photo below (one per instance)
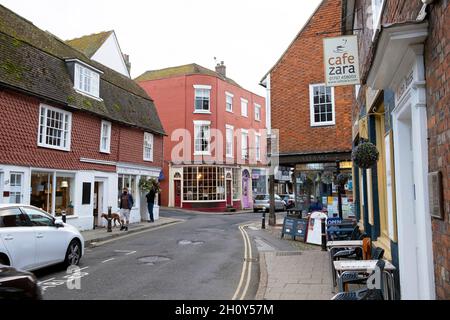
(367, 266)
(347, 244)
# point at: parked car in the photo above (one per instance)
(18, 285)
(31, 239)
(262, 202)
(289, 199)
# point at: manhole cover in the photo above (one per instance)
(189, 242)
(151, 260)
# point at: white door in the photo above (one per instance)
(51, 242)
(18, 238)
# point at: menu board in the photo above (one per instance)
(296, 228)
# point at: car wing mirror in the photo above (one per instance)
(59, 223)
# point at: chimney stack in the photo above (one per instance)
(221, 69)
(126, 57)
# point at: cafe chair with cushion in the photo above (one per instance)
(364, 294)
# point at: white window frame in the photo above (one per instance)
(44, 129)
(229, 96)
(16, 189)
(311, 107)
(257, 107)
(227, 128)
(108, 137)
(377, 13)
(202, 87)
(244, 102)
(244, 155)
(258, 147)
(148, 144)
(197, 125)
(94, 82)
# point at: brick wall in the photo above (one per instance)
(19, 120)
(301, 66)
(437, 53)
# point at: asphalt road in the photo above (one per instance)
(201, 258)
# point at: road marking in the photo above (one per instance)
(129, 253)
(246, 267)
(97, 244)
(108, 260)
(249, 270)
(43, 281)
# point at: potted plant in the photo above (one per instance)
(365, 155)
(147, 184)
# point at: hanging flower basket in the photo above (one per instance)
(327, 177)
(147, 184)
(365, 155)
(341, 179)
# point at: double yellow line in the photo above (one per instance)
(246, 267)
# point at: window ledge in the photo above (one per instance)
(230, 111)
(105, 151)
(202, 112)
(325, 124)
(197, 153)
(88, 95)
(53, 147)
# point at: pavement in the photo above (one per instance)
(290, 270)
(98, 235)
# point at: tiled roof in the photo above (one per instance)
(188, 69)
(33, 61)
(89, 44)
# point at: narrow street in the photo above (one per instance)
(201, 258)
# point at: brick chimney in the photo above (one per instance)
(221, 69)
(126, 57)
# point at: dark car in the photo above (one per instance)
(289, 199)
(18, 285)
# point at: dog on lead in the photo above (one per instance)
(115, 217)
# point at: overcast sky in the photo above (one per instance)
(249, 35)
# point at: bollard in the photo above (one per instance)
(324, 235)
(63, 216)
(263, 224)
(109, 219)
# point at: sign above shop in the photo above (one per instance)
(341, 61)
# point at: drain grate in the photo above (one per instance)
(288, 253)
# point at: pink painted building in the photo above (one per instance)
(214, 153)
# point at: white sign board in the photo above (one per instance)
(341, 61)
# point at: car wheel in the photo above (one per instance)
(73, 254)
(4, 261)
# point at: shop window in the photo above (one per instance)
(129, 182)
(46, 191)
(204, 184)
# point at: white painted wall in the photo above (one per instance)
(110, 55)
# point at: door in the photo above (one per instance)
(51, 242)
(15, 183)
(245, 186)
(177, 193)
(229, 193)
(18, 238)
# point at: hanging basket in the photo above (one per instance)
(327, 177)
(147, 184)
(341, 179)
(365, 155)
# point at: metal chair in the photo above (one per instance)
(366, 293)
(355, 277)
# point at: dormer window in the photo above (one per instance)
(87, 81)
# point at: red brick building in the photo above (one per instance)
(402, 107)
(73, 131)
(313, 121)
(220, 127)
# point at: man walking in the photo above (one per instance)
(126, 203)
(151, 202)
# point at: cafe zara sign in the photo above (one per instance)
(341, 61)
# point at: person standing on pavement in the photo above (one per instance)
(151, 202)
(126, 203)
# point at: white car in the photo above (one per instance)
(31, 239)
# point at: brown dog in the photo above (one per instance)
(114, 217)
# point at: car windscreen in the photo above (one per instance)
(262, 197)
